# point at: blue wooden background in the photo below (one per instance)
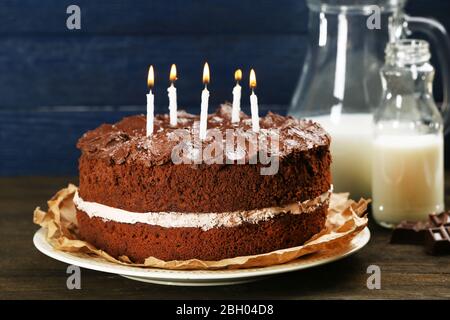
(56, 83)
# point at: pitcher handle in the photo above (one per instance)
(441, 41)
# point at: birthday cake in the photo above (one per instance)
(172, 198)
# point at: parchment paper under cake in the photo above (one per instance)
(345, 219)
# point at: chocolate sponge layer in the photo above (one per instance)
(204, 188)
(139, 241)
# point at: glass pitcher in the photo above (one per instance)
(340, 83)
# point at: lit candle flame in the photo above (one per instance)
(173, 73)
(206, 73)
(252, 79)
(238, 75)
(151, 77)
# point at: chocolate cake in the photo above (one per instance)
(134, 200)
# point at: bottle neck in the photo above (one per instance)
(407, 69)
(404, 53)
(408, 106)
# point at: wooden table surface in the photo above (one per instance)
(25, 273)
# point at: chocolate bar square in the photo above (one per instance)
(437, 240)
(410, 232)
(439, 219)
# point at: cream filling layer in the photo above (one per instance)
(205, 221)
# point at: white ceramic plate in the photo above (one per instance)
(198, 277)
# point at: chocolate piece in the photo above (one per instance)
(410, 232)
(439, 219)
(437, 240)
(414, 232)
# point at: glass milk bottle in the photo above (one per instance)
(408, 146)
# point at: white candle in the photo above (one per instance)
(172, 92)
(254, 102)
(204, 103)
(150, 113)
(236, 97)
(204, 113)
(150, 102)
